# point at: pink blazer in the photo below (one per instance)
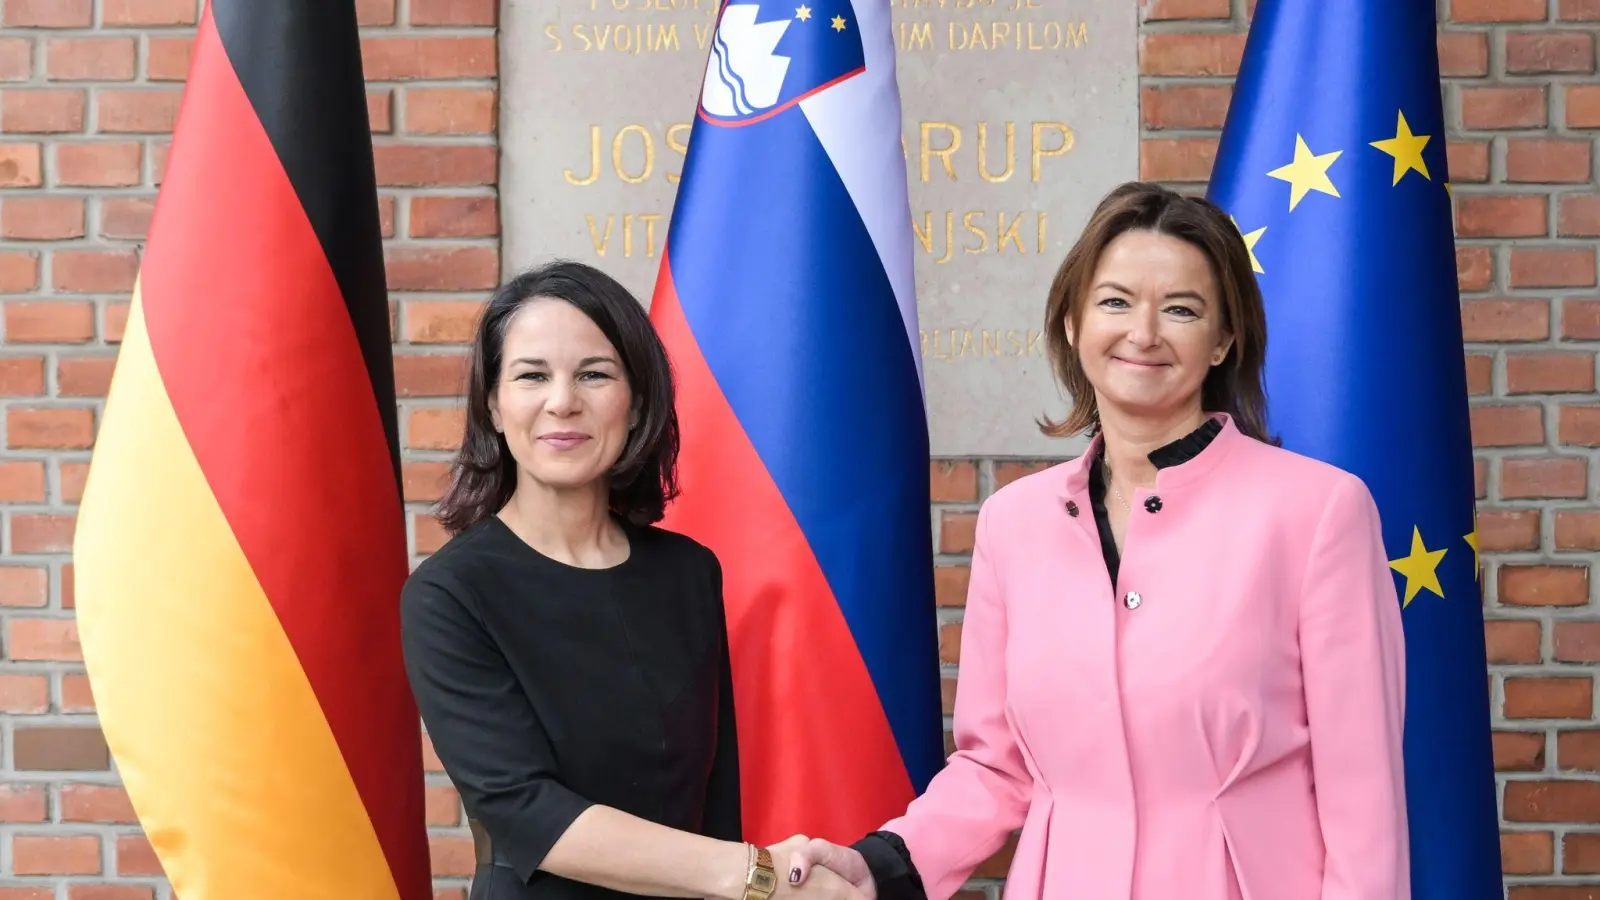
(1233, 732)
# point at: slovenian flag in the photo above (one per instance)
(786, 299)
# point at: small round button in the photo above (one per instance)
(1072, 509)
(1132, 600)
(1152, 504)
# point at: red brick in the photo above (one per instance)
(24, 586)
(19, 272)
(73, 477)
(449, 111)
(1577, 642)
(1580, 319)
(1007, 472)
(67, 587)
(99, 164)
(47, 13)
(16, 59)
(1549, 698)
(27, 893)
(1555, 477)
(1518, 751)
(463, 12)
(147, 12)
(1579, 426)
(95, 271)
(21, 695)
(21, 481)
(41, 218)
(375, 12)
(442, 805)
(135, 856)
(950, 585)
(1530, 53)
(1463, 54)
(89, 59)
(1528, 585)
(1474, 268)
(950, 643)
(957, 531)
(76, 694)
(126, 218)
(1502, 215)
(1485, 108)
(1185, 106)
(45, 111)
(424, 482)
(152, 111)
(435, 428)
(1580, 853)
(1176, 159)
(1511, 319)
(1552, 801)
(21, 376)
(1513, 641)
(1578, 750)
(441, 321)
(405, 58)
(430, 375)
(96, 803)
(1579, 11)
(435, 165)
(21, 165)
(1583, 106)
(450, 856)
(454, 269)
(23, 802)
(1507, 426)
(380, 109)
(49, 429)
(1549, 373)
(49, 322)
(953, 481)
(454, 217)
(84, 376)
(1497, 10)
(42, 534)
(167, 58)
(429, 534)
(386, 205)
(1527, 852)
(76, 854)
(1468, 161)
(1578, 215)
(110, 892)
(1480, 374)
(1577, 529)
(1547, 160)
(1190, 54)
(1535, 267)
(1501, 530)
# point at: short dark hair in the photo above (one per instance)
(1235, 385)
(483, 475)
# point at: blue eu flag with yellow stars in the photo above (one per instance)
(1332, 164)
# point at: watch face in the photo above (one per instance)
(764, 880)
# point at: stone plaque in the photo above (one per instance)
(1018, 116)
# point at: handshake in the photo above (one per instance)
(814, 868)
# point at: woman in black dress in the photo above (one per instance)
(569, 658)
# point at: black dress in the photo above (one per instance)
(548, 688)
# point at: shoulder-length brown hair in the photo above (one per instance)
(1233, 386)
(644, 478)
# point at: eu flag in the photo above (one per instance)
(1332, 164)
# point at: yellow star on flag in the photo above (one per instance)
(1421, 567)
(1406, 148)
(1308, 172)
(803, 13)
(838, 23)
(1250, 239)
(1477, 562)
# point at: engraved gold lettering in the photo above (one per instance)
(1080, 35)
(983, 152)
(702, 35)
(1042, 215)
(1039, 149)
(978, 229)
(949, 237)
(600, 243)
(916, 36)
(1005, 234)
(956, 344)
(555, 39)
(944, 153)
(650, 220)
(924, 233)
(594, 160)
(1008, 234)
(649, 154)
(680, 146)
(1033, 342)
(991, 343)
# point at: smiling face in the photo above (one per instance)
(562, 399)
(1151, 326)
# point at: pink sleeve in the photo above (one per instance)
(1353, 658)
(981, 795)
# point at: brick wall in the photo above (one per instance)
(88, 91)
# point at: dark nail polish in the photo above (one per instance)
(794, 875)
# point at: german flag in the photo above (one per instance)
(241, 542)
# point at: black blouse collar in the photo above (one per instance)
(1177, 452)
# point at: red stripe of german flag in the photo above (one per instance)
(241, 542)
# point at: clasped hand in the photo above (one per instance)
(815, 868)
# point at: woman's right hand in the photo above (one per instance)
(833, 863)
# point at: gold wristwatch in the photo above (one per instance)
(760, 881)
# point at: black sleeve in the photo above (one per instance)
(890, 863)
(723, 819)
(483, 726)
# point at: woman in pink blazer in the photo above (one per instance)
(1182, 665)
